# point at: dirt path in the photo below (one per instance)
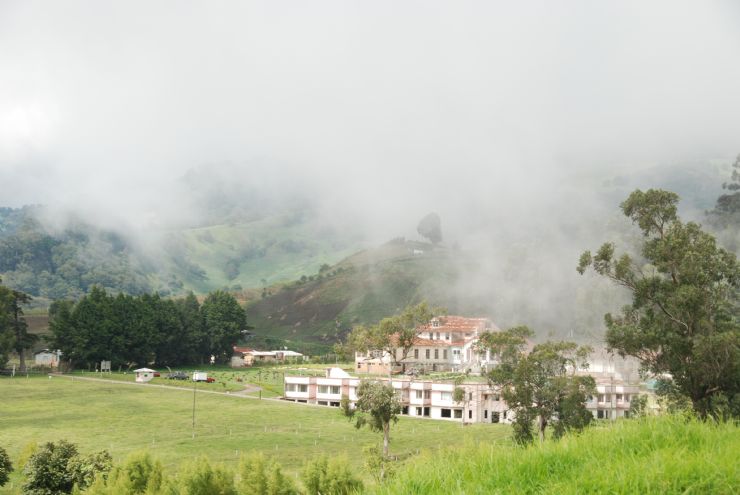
(241, 393)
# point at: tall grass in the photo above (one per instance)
(648, 456)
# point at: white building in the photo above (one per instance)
(144, 375)
(446, 343)
(430, 399)
(48, 358)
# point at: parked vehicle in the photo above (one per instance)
(177, 375)
(200, 376)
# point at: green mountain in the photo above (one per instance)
(58, 264)
(362, 288)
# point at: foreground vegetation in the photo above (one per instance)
(648, 456)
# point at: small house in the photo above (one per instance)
(144, 375)
(48, 358)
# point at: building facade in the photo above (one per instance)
(446, 343)
(434, 400)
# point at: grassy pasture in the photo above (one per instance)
(124, 418)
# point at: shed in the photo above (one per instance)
(144, 375)
(48, 358)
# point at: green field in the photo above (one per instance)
(124, 418)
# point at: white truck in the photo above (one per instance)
(201, 376)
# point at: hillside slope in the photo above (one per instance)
(362, 288)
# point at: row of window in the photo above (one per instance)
(428, 353)
(330, 389)
(608, 398)
(296, 387)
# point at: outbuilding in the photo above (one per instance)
(144, 375)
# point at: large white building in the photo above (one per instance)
(446, 343)
(434, 399)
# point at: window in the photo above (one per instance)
(444, 354)
(485, 413)
(602, 414)
(427, 353)
(470, 414)
(602, 398)
(419, 394)
(436, 353)
(496, 398)
(447, 336)
(619, 397)
(470, 395)
(427, 394)
(322, 403)
(334, 404)
(495, 418)
(334, 389)
(446, 413)
(359, 365)
(458, 413)
(446, 396)
(323, 389)
(626, 397)
(435, 323)
(426, 411)
(418, 411)
(416, 353)
(405, 410)
(437, 335)
(296, 387)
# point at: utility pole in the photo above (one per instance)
(194, 384)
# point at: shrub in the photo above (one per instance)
(330, 477)
(263, 476)
(6, 467)
(200, 478)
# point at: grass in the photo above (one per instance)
(126, 418)
(650, 456)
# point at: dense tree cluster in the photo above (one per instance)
(137, 330)
(65, 264)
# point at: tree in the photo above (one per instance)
(200, 478)
(541, 384)
(396, 335)
(638, 406)
(223, 321)
(6, 328)
(191, 320)
(56, 468)
(430, 228)
(22, 340)
(6, 467)
(377, 407)
(726, 212)
(683, 320)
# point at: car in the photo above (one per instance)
(177, 375)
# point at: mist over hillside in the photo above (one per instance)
(179, 146)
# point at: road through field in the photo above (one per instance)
(241, 393)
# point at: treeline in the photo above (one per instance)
(58, 468)
(138, 330)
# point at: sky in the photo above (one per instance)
(504, 117)
(372, 107)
